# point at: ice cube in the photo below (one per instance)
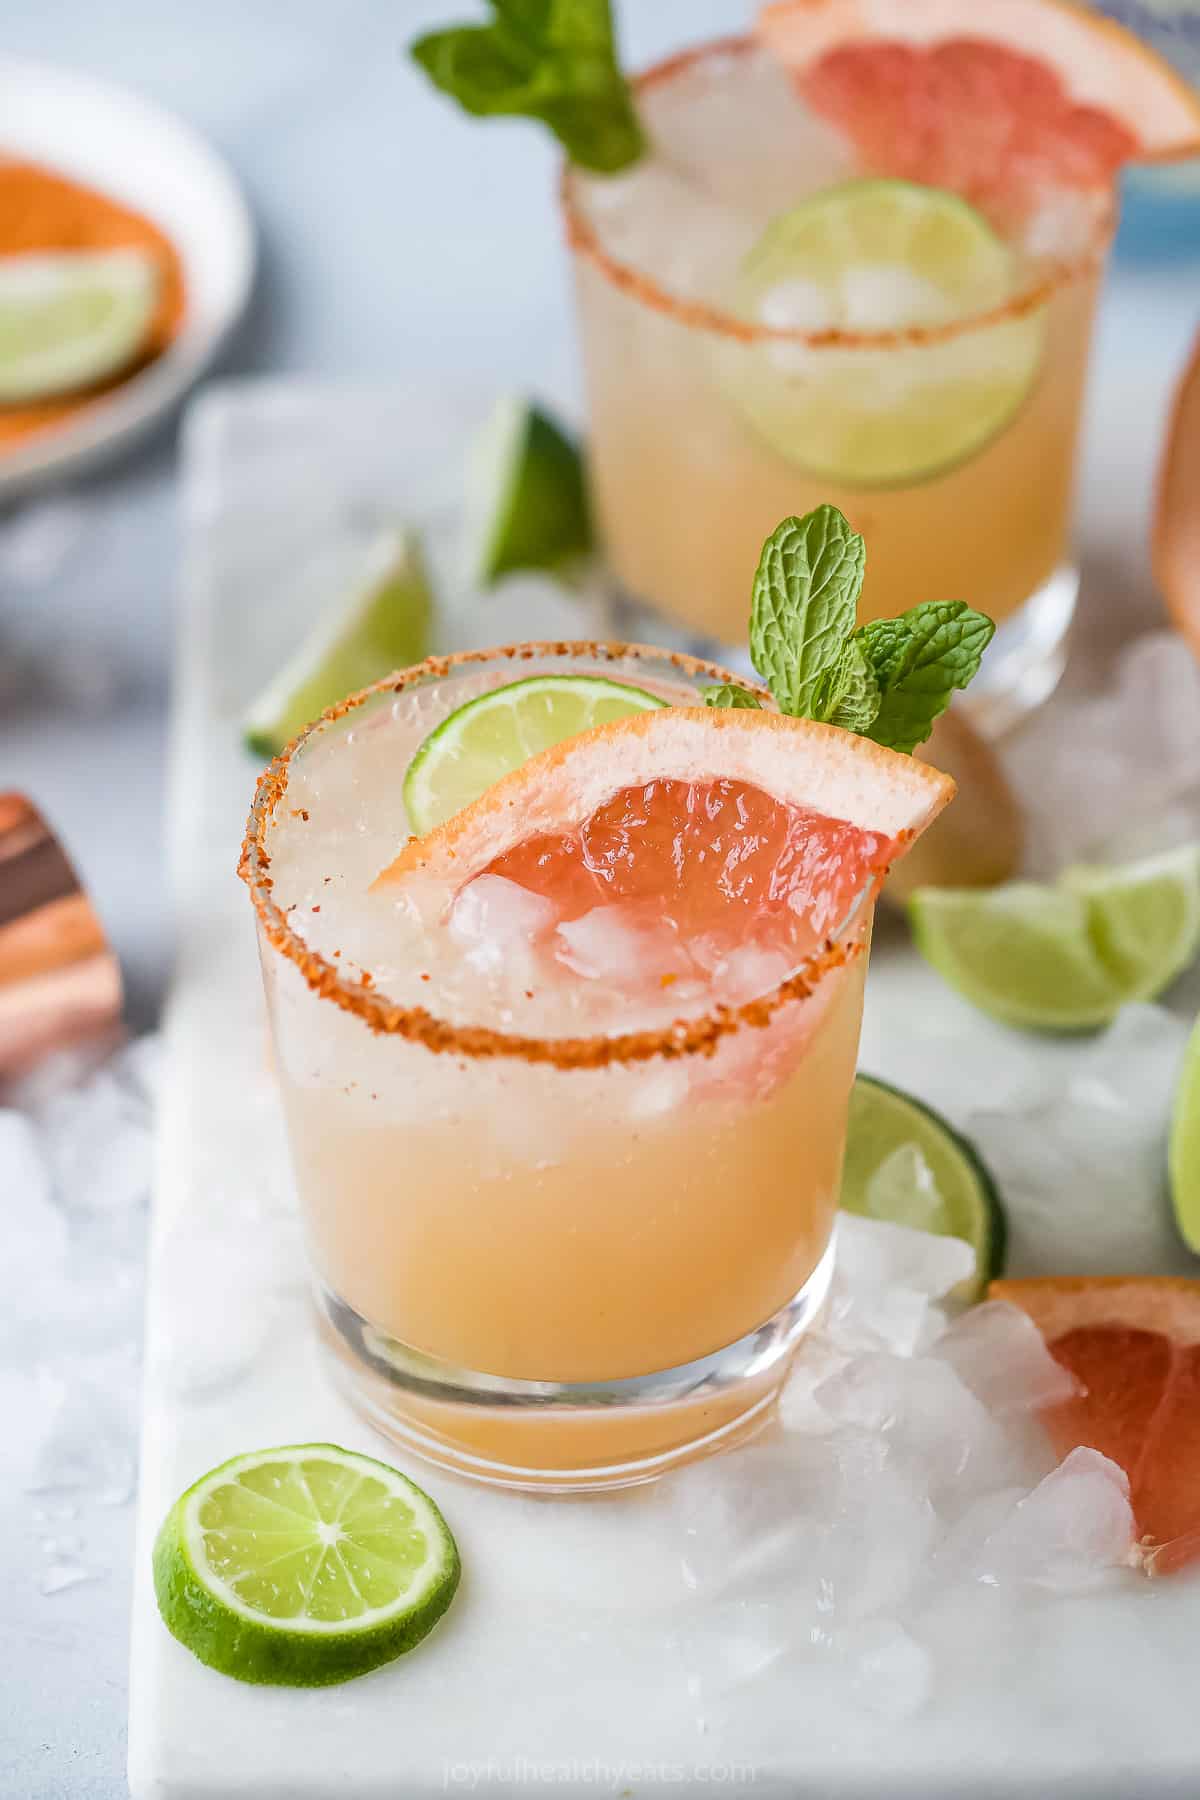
(926, 1415)
(1115, 774)
(1000, 1354)
(957, 1553)
(36, 1232)
(738, 1521)
(96, 1138)
(886, 1281)
(1070, 1533)
(492, 915)
(905, 1183)
(882, 296)
(875, 1253)
(611, 944)
(654, 219)
(891, 1674)
(819, 1525)
(747, 972)
(1079, 1157)
(659, 1090)
(90, 1449)
(796, 305)
(64, 1572)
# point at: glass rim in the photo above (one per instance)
(688, 1037)
(583, 239)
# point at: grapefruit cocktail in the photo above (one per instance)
(860, 262)
(851, 256)
(564, 949)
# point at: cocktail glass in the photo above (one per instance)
(708, 421)
(546, 1261)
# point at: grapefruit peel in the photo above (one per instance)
(1100, 66)
(1152, 1327)
(796, 761)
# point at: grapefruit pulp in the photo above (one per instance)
(721, 828)
(1134, 1343)
(1091, 96)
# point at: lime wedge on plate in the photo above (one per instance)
(382, 625)
(70, 320)
(1068, 957)
(527, 502)
(904, 1163)
(872, 257)
(303, 1566)
(490, 736)
(1183, 1153)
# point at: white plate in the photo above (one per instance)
(142, 156)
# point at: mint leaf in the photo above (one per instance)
(803, 606)
(851, 697)
(726, 694)
(918, 660)
(553, 60)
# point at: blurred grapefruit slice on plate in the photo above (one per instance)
(1046, 63)
(1134, 1344)
(1177, 518)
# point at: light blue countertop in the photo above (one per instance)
(392, 234)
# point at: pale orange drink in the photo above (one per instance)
(566, 1080)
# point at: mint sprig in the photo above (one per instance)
(939, 648)
(553, 60)
(803, 606)
(887, 680)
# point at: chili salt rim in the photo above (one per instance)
(683, 1037)
(584, 240)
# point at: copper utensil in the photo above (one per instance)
(60, 982)
(1176, 542)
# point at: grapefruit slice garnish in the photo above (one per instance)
(1041, 76)
(1177, 516)
(1134, 1343)
(696, 832)
(997, 103)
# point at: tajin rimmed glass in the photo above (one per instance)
(548, 1262)
(686, 480)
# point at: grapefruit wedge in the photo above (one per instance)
(1177, 517)
(727, 827)
(1092, 62)
(1059, 75)
(1134, 1344)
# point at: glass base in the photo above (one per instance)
(565, 1437)
(1022, 668)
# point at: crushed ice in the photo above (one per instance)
(75, 1157)
(1115, 774)
(906, 1485)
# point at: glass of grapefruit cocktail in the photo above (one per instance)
(566, 1080)
(859, 262)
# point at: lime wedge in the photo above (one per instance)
(527, 503)
(303, 1566)
(876, 256)
(904, 1163)
(72, 319)
(1183, 1153)
(1065, 958)
(496, 733)
(382, 625)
